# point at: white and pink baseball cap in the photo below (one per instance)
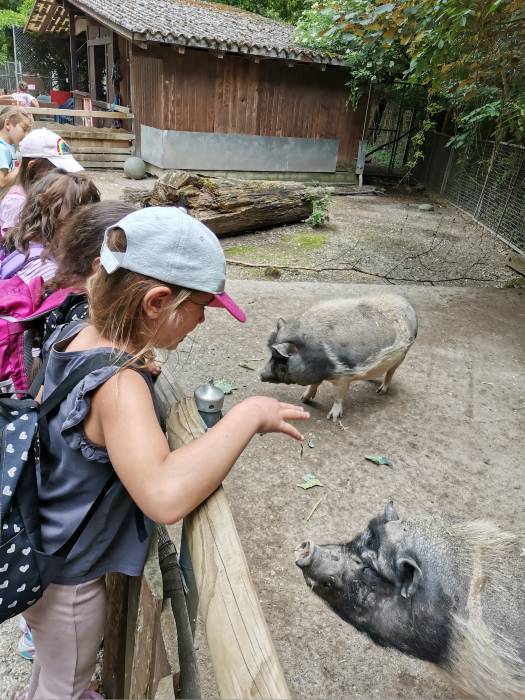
(171, 246)
(44, 143)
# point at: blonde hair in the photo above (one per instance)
(115, 302)
(14, 114)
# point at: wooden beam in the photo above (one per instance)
(82, 150)
(78, 113)
(73, 84)
(239, 642)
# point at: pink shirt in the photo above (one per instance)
(10, 207)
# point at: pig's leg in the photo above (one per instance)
(341, 385)
(309, 393)
(383, 387)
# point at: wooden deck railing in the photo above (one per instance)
(96, 114)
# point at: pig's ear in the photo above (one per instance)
(281, 323)
(390, 512)
(410, 576)
(284, 349)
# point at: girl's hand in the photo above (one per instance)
(273, 415)
(154, 368)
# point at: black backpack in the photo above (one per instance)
(25, 570)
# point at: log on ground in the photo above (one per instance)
(231, 206)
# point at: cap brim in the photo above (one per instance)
(67, 163)
(224, 301)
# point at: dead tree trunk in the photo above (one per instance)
(231, 206)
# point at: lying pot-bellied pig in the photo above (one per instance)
(449, 592)
(342, 340)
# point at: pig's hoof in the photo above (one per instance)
(382, 388)
(308, 395)
(335, 413)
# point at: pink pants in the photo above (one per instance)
(67, 624)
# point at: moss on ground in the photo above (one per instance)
(309, 241)
(241, 250)
(290, 249)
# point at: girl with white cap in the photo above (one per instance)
(159, 270)
(40, 151)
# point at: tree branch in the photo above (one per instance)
(354, 268)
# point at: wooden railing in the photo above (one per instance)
(96, 114)
(144, 657)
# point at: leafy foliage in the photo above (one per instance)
(320, 207)
(49, 54)
(285, 10)
(12, 12)
(466, 54)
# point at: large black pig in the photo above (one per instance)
(448, 592)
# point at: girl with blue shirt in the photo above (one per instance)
(160, 269)
(15, 124)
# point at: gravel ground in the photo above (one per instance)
(387, 237)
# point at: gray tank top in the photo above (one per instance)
(74, 472)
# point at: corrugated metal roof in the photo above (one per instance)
(192, 23)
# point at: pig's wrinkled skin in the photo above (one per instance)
(342, 341)
(447, 592)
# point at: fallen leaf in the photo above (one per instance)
(225, 385)
(309, 481)
(379, 459)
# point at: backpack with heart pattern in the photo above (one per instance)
(25, 569)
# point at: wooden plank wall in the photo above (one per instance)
(196, 91)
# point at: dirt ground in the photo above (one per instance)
(386, 237)
(452, 422)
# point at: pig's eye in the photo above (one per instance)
(356, 559)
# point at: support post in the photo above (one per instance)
(241, 649)
(73, 84)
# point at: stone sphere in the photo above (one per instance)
(134, 168)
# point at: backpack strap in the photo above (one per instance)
(68, 545)
(39, 378)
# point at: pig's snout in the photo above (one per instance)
(307, 554)
(267, 374)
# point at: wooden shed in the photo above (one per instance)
(211, 87)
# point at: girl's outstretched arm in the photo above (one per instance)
(168, 485)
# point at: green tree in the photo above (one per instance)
(12, 12)
(466, 54)
(284, 10)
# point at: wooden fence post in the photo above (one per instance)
(241, 649)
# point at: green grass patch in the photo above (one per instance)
(309, 241)
(240, 250)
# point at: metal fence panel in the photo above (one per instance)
(486, 180)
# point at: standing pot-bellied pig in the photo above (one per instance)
(342, 340)
(452, 593)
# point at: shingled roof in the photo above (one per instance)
(192, 23)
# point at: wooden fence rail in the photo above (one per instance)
(140, 649)
(98, 114)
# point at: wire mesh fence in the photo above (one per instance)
(390, 135)
(32, 62)
(8, 77)
(487, 180)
